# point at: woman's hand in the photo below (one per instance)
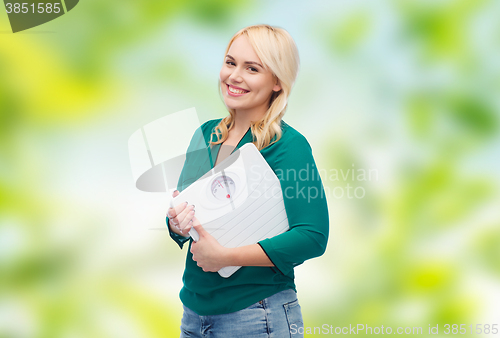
(180, 218)
(207, 252)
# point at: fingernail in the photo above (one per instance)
(191, 207)
(176, 190)
(192, 213)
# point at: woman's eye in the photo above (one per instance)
(230, 63)
(253, 69)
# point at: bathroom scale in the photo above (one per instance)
(239, 202)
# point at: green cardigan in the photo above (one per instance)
(207, 293)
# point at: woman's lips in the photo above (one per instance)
(233, 91)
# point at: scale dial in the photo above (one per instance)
(223, 187)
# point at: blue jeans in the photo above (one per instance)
(277, 316)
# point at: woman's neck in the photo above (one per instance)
(243, 120)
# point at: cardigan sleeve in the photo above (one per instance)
(305, 205)
(180, 240)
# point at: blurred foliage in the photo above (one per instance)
(422, 247)
(441, 27)
(351, 32)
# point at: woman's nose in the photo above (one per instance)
(236, 75)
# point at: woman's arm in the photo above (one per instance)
(211, 256)
(305, 204)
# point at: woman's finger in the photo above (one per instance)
(184, 212)
(179, 219)
(176, 214)
(188, 227)
(180, 208)
(187, 223)
(172, 223)
(171, 213)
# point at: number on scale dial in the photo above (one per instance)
(223, 187)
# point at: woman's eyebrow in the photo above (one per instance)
(246, 62)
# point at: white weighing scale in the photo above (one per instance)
(239, 202)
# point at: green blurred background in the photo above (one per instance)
(406, 89)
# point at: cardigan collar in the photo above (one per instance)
(214, 151)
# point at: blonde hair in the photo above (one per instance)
(278, 53)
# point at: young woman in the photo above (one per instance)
(259, 300)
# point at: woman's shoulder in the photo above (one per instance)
(207, 128)
(289, 151)
(210, 124)
(291, 136)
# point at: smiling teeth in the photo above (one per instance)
(236, 91)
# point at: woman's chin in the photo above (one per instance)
(231, 105)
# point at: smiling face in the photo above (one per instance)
(246, 86)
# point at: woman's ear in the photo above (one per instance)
(277, 86)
